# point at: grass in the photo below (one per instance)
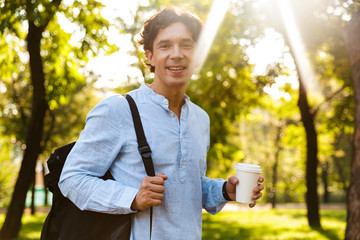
(273, 224)
(252, 224)
(31, 225)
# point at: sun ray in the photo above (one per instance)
(215, 17)
(298, 47)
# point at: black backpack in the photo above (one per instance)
(66, 221)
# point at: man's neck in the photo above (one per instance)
(175, 96)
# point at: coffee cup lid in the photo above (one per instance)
(248, 167)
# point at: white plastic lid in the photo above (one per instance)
(248, 167)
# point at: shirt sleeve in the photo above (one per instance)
(212, 197)
(93, 154)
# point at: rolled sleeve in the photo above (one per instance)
(212, 196)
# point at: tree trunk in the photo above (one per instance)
(351, 36)
(12, 222)
(324, 176)
(312, 200)
(46, 202)
(32, 207)
(275, 167)
(307, 118)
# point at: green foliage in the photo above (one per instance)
(7, 171)
(271, 135)
(63, 56)
(69, 89)
(64, 124)
(15, 101)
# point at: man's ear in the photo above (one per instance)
(149, 56)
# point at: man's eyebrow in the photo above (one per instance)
(168, 41)
(162, 42)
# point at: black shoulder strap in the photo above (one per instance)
(143, 146)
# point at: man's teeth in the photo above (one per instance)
(176, 68)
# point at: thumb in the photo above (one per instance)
(231, 185)
(233, 180)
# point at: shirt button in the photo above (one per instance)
(164, 101)
(172, 114)
(218, 197)
(182, 137)
(182, 163)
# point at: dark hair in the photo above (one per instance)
(163, 19)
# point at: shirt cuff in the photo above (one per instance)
(224, 192)
(128, 198)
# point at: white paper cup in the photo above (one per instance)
(248, 175)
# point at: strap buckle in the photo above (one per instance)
(145, 151)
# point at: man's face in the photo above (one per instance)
(172, 54)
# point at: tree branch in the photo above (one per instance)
(327, 99)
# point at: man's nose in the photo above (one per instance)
(177, 52)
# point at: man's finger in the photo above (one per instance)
(258, 188)
(261, 179)
(251, 205)
(256, 196)
(157, 196)
(162, 175)
(157, 188)
(158, 180)
(155, 202)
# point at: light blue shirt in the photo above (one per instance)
(179, 149)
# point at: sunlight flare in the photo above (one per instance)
(215, 17)
(298, 48)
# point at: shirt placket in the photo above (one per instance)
(182, 145)
(181, 128)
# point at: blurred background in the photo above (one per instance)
(278, 83)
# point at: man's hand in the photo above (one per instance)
(231, 189)
(151, 192)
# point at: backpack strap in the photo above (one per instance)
(143, 146)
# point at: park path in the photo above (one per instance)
(234, 207)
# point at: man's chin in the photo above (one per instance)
(179, 84)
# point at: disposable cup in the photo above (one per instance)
(248, 175)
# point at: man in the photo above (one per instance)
(178, 134)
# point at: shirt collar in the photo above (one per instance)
(157, 98)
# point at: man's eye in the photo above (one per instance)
(188, 46)
(164, 46)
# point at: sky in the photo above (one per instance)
(112, 69)
(116, 68)
(269, 50)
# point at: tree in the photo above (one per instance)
(352, 41)
(48, 83)
(312, 200)
(307, 118)
(316, 33)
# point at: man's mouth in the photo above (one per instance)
(176, 68)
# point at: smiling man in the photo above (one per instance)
(177, 131)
